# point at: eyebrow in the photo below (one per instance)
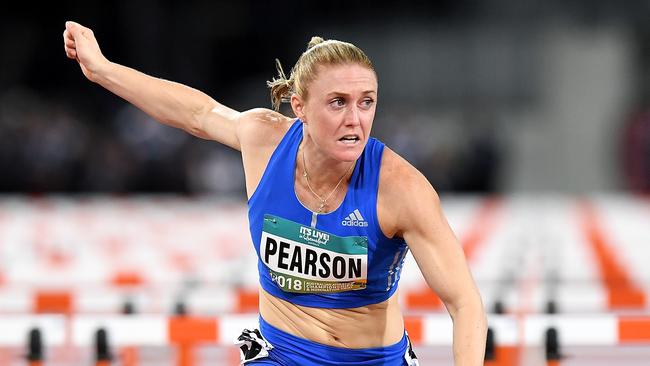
(335, 93)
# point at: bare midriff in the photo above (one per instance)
(369, 326)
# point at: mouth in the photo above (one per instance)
(350, 139)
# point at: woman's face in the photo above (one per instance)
(339, 109)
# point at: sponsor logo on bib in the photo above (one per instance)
(304, 259)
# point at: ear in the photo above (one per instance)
(298, 106)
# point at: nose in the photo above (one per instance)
(352, 116)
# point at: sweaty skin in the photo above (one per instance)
(342, 103)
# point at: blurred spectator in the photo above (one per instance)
(477, 166)
(636, 152)
(60, 133)
(215, 169)
(41, 143)
(155, 151)
(44, 147)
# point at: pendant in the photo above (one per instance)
(320, 208)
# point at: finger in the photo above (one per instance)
(71, 54)
(70, 25)
(67, 35)
(87, 33)
(68, 42)
(67, 49)
(76, 30)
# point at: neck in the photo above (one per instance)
(324, 172)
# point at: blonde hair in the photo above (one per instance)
(319, 52)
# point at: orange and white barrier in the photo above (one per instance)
(91, 254)
(16, 328)
(589, 330)
(427, 330)
(87, 258)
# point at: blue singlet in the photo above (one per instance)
(339, 259)
(336, 260)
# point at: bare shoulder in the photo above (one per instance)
(398, 178)
(404, 193)
(260, 131)
(262, 127)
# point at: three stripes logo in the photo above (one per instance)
(354, 219)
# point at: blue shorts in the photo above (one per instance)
(289, 350)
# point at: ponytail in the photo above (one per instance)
(281, 87)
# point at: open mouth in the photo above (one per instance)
(349, 139)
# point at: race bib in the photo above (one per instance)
(303, 259)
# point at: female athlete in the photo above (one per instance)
(332, 211)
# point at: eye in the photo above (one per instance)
(367, 103)
(337, 102)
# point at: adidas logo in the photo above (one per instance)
(355, 219)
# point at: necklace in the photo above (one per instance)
(323, 201)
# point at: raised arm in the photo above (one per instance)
(168, 102)
(415, 214)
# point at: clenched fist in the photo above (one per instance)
(80, 44)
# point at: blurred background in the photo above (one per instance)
(482, 96)
(531, 118)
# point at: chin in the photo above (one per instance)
(349, 154)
